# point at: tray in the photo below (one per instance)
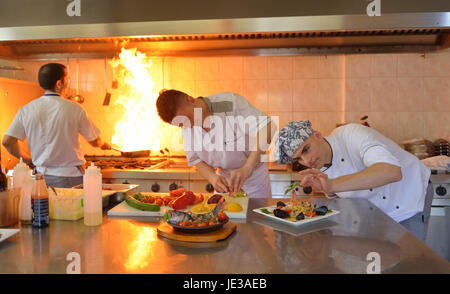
(293, 223)
(167, 231)
(6, 233)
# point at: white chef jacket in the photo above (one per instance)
(51, 125)
(224, 151)
(356, 147)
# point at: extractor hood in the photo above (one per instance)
(279, 31)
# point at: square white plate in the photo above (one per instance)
(6, 233)
(294, 223)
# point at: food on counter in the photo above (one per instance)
(221, 216)
(297, 211)
(234, 207)
(177, 193)
(215, 198)
(280, 213)
(241, 193)
(321, 210)
(300, 216)
(200, 208)
(142, 202)
(281, 203)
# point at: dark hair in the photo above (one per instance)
(49, 74)
(167, 104)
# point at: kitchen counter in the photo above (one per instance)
(131, 245)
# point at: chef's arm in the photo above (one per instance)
(219, 183)
(376, 175)
(12, 146)
(100, 144)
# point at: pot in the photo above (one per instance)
(139, 153)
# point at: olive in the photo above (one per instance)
(281, 203)
(321, 210)
(300, 216)
(307, 190)
(280, 213)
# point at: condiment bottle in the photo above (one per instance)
(26, 212)
(3, 180)
(92, 185)
(21, 170)
(39, 202)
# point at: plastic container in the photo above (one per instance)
(92, 183)
(66, 205)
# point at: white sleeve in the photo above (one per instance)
(371, 149)
(16, 128)
(87, 128)
(254, 118)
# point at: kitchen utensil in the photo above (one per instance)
(107, 94)
(53, 189)
(78, 98)
(199, 230)
(139, 153)
(167, 231)
(9, 207)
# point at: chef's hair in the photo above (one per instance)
(49, 74)
(167, 104)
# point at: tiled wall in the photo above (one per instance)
(405, 95)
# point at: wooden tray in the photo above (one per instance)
(167, 231)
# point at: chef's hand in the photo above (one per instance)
(317, 180)
(105, 146)
(220, 184)
(238, 177)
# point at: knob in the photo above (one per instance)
(125, 182)
(307, 190)
(441, 191)
(209, 188)
(156, 187)
(173, 186)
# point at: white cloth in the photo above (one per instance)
(356, 147)
(228, 148)
(51, 125)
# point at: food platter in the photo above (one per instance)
(198, 230)
(268, 212)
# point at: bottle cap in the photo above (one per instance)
(21, 166)
(92, 170)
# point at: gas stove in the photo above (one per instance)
(124, 163)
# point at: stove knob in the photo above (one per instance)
(173, 186)
(156, 187)
(125, 182)
(441, 191)
(209, 188)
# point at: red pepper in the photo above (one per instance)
(288, 210)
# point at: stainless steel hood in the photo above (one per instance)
(278, 35)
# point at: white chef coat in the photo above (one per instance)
(356, 147)
(224, 151)
(51, 125)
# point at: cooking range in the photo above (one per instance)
(124, 163)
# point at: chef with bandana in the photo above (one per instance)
(356, 161)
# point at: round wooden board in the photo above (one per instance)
(167, 231)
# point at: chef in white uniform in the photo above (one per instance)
(356, 161)
(221, 135)
(52, 125)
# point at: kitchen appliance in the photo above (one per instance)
(441, 147)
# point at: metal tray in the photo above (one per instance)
(120, 190)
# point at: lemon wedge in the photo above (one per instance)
(234, 207)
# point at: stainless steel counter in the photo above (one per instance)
(338, 245)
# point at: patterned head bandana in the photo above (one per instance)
(290, 138)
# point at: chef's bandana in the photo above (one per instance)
(290, 138)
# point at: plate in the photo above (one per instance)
(6, 233)
(198, 230)
(293, 223)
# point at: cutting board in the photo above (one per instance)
(167, 231)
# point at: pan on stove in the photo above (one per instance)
(139, 153)
(199, 230)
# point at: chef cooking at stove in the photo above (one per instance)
(224, 137)
(51, 125)
(356, 161)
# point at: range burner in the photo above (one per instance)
(119, 162)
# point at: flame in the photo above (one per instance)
(141, 249)
(140, 127)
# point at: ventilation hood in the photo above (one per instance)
(285, 33)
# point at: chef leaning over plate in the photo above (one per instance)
(221, 135)
(356, 161)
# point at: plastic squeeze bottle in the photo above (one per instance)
(92, 185)
(21, 170)
(22, 175)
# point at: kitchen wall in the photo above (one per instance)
(405, 95)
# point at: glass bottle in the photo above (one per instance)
(39, 202)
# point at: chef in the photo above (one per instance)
(224, 137)
(356, 161)
(51, 125)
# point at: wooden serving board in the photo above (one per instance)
(167, 231)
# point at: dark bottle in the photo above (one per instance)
(3, 180)
(39, 202)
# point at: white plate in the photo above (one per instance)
(294, 223)
(6, 233)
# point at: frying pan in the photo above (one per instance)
(140, 153)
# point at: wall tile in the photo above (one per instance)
(383, 94)
(437, 125)
(305, 95)
(437, 64)
(256, 92)
(331, 92)
(231, 68)
(235, 86)
(357, 94)
(306, 115)
(410, 94)
(181, 69)
(358, 66)
(306, 66)
(408, 125)
(384, 65)
(436, 94)
(332, 66)
(255, 67)
(207, 69)
(327, 120)
(280, 67)
(384, 123)
(410, 65)
(280, 95)
(189, 87)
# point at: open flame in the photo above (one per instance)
(140, 127)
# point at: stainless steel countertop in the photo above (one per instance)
(131, 245)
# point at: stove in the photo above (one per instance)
(124, 163)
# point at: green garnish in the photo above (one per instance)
(264, 210)
(291, 187)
